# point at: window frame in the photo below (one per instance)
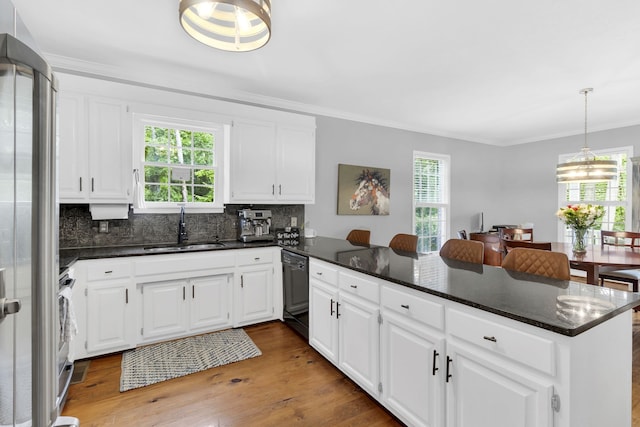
(445, 195)
(563, 232)
(219, 127)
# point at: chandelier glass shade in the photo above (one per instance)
(230, 25)
(585, 167)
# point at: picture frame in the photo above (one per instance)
(363, 190)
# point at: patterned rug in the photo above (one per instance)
(160, 362)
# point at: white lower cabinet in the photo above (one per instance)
(110, 316)
(434, 362)
(483, 391)
(174, 308)
(254, 287)
(344, 322)
(124, 302)
(412, 361)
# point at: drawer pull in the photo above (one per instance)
(405, 306)
(126, 296)
(319, 273)
(434, 368)
(257, 258)
(354, 286)
(449, 360)
(488, 338)
(108, 272)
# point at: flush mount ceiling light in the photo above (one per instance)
(584, 167)
(231, 25)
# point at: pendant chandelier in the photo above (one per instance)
(231, 25)
(584, 167)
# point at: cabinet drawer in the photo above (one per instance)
(358, 285)
(413, 306)
(153, 265)
(249, 257)
(523, 347)
(108, 270)
(323, 272)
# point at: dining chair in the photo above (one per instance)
(507, 245)
(462, 234)
(404, 242)
(463, 250)
(359, 236)
(521, 234)
(628, 239)
(538, 262)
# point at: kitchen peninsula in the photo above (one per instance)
(435, 340)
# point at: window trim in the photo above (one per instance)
(562, 188)
(176, 120)
(446, 190)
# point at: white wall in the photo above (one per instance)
(511, 185)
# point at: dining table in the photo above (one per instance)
(598, 259)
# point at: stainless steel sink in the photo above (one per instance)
(180, 248)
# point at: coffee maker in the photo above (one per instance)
(254, 225)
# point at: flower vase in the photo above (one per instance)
(579, 240)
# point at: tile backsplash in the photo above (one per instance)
(78, 230)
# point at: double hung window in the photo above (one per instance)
(614, 195)
(180, 162)
(431, 179)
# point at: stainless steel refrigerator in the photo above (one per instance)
(28, 230)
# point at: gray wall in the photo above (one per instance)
(473, 176)
(511, 185)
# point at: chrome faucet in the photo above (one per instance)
(182, 228)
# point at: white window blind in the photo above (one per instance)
(430, 200)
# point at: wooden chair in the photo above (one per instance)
(521, 234)
(463, 250)
(359, 236)
(507, 245)
(627, 239)
(538, 262)
(404, 242)
(462, 234)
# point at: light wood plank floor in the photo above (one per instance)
(289, 385)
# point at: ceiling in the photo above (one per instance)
(499, 72)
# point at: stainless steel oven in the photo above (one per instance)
(295, 282)
(64, 365)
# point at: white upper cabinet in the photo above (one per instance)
(272, 162)
(94, 150)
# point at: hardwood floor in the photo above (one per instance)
(289, 385)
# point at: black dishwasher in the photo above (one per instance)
(295, 282)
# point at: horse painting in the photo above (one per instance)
(371, 190)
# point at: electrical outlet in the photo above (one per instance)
(104, 227)
(294, 221)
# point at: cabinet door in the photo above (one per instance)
(210, 302)
(164, 309)
(485, 392)
(253, 163)
(359, 338)
(110, 316)
(110, 152)
(323, 324)
(255, 297)
(296, 164)
(73, 182)
(412, 376)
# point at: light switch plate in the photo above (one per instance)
(104, 227)
(294, 221)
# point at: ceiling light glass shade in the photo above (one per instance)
(586, 168)
(231, 25)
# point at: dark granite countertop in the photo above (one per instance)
(565, 307)
(70, 255)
